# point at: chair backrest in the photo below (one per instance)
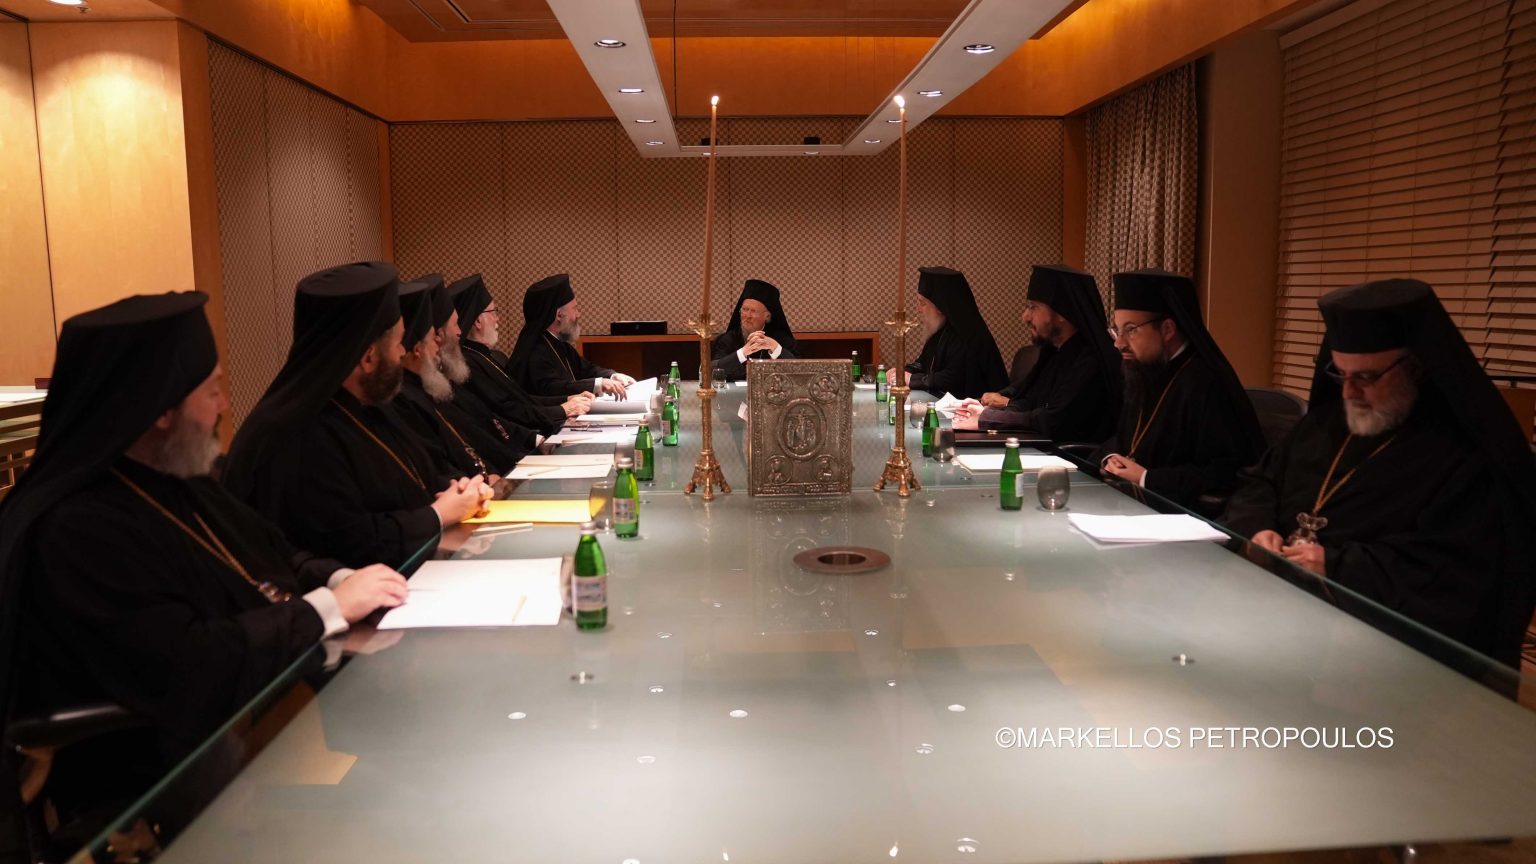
(1278, 411)
(1024, 360)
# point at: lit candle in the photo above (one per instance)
(709, 207)
(901, 218)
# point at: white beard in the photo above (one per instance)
(436, 383)
(451, 357)
(186, 452)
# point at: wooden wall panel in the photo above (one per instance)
(27, 305)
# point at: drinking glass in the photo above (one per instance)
(919, 410)
(600, 504)
(1054, 488)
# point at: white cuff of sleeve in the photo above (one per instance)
(329, 610)
(339, 576)
(741, 355)
(1143, 481)
(778, 349)
(597, 385)
(333, 652)
(538, 440)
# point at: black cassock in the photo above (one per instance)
(142, 616)
(501, 393)
(951, 363)
(1417, 528)
(1195, 443)
(451, 437)
(336, 490)
(723, 361)
(1067, 397)
(555, 368)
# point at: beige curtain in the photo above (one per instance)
(1143, 171)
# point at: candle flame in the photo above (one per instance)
(901, 102)
(713, 101)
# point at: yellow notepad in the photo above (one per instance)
(568, 512)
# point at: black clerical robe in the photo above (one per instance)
(128, 608)
(724, 363)
(555, 368)
(1417, 528)
(340, 492)
(950, 363)
(1067, 397)
(504, 396)
(1192, 437)
(452, 438)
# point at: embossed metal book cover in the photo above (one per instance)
(800, 427)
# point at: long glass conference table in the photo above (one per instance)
(1006, 690)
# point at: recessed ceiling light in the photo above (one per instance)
(979, 48)
(645, 121)
(631, 89)
(812, 152)
(69, 2)
(608, 43)
(871, 140)
(897, 120)
(930, 93)
(653, 143)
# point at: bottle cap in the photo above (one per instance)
(1012, 442)
(588, 529)
(625, 462)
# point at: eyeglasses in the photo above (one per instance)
(1361, 379)
(491, 312)
(1126, 331)
(1030, 307)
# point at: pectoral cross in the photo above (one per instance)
(1307, 527)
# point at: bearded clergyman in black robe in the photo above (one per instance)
(129, 576)
(323, 454)
(489, 380)
(1187, 426)
(457, 444)
(959, 355)
(545, 359)
(1073, 393)
(758, 331)
(1408, 482)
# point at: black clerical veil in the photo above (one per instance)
(778, 326)
(416, 309)
(543, 299)
(471, 298)
(337, 314)
(1168, 294)
(947, 290)
(1074, 295)
(442, 301)
(117, 369)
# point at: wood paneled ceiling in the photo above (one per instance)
(442, 20)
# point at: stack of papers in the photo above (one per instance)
(573, 466)
(1156, 528)
(545, 511)
(513, 593)
(974, 462)
(600, 435)
(947, 404)
(640, 391)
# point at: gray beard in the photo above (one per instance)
(186, 452)
(436, 383)
(455, 367)
(1389, 413)
(571, 334)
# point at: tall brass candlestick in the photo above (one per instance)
(706, 470)
(898, 468)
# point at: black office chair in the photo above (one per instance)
(1278, 411)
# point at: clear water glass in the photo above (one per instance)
(1054, 488)
(600, 504)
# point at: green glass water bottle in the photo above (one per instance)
(674, 391)
(674, 374)
(626, 501)
(669, 424)
(645, 454)
(589, 582)
(930, 430)
(1010, 485)
(882, 384)
(891, 414)
(858, 371)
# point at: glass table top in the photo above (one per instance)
(1006, 690)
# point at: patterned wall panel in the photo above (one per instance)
(298, 186)
(1008, 174)
(520, 200)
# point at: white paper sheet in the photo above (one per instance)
(608, 407)
(9, 397)
(564, 466)
(620, 419)
(604, 459)
(975, 462)
(858, 386)
(1155, 528)
(640, 391)
(604, 435)
(501, 593)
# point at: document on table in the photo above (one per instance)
(858, 386)
(631, 419)
(1154, 528)
(610, 407)
(604, 435)
(946, 404)
(564, 466)
(537, 510)
(640, 391)
(10, 396)
(974, 462)
(504, 593)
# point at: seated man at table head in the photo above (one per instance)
(959, 355)
(545, 358)
(129, 576)
(457, 445)
(489, 380)
(1187, 425)
(323, 454)
(758, 331)
(1073, 393)
(1409, 480)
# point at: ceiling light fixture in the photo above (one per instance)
(897, 120)
(979, 48)
(631, 89)
(645, 121)
(68, 2)
(653, 143)
(608, 43)
(930, 93)
(871, 140)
